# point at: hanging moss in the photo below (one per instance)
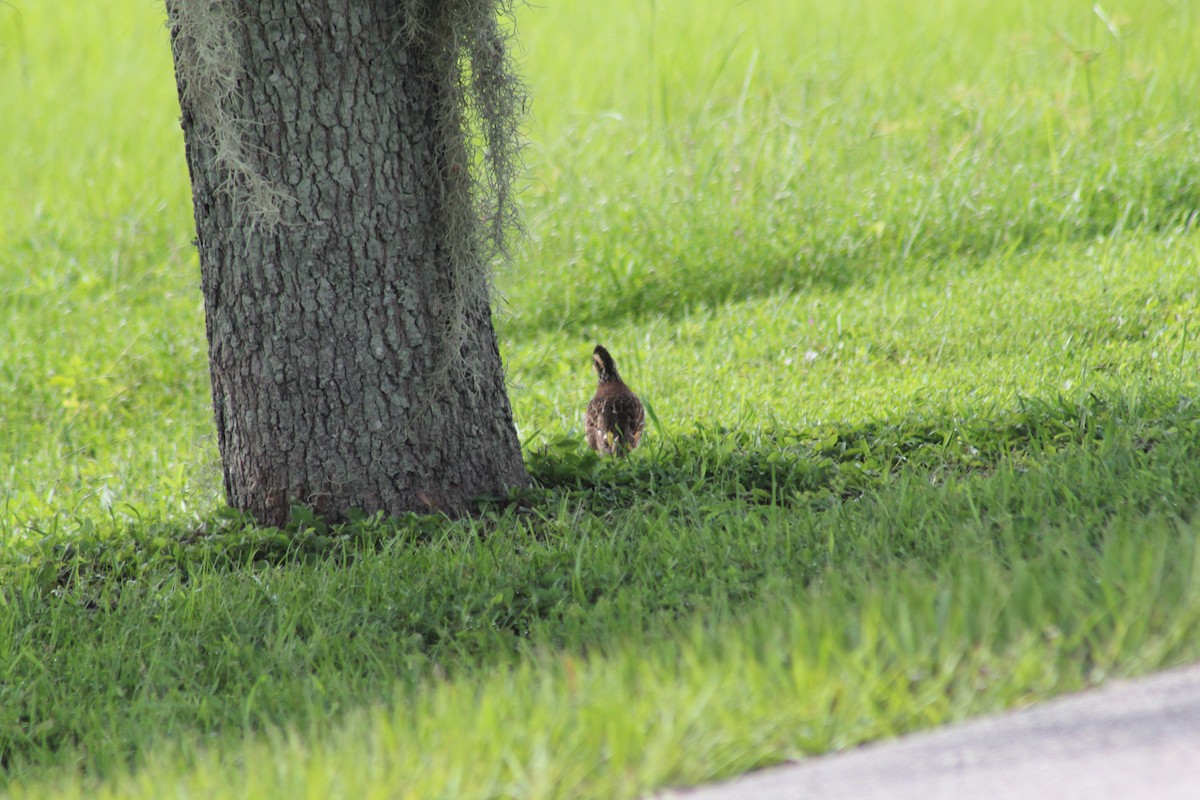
(484, 103)
(209, 70)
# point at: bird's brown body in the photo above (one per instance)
(615, 417)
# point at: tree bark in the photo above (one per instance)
(353, 358)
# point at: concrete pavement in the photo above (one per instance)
(1128, 740)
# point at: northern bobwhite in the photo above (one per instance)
(615, 418)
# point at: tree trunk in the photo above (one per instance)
(353, 359)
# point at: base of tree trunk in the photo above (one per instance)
(353, 358)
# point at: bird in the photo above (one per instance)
(615, 416)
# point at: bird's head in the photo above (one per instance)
(606, 370)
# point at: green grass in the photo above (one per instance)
(912, 293)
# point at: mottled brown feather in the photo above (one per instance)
(615, 417)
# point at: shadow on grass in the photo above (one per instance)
(832, 250)
(116, 636)
(821, 466)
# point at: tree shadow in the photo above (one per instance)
(664, 277)
(226, 628)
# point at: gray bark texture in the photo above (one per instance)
(353, 358)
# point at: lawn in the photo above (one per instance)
(911, 289)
